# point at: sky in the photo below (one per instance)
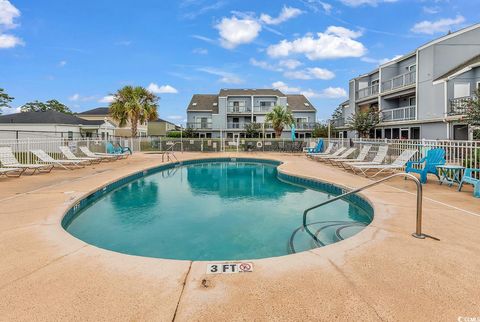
(80, 52)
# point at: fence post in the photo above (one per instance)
(28, 151)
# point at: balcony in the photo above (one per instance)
(399, 114)
(235, 125)
(304, 126)
(238, 109)
(338, 122)
(199, 125)
(262, 109)
(399, 81)
(459, 106)
(367, 91)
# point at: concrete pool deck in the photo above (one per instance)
(382, 273)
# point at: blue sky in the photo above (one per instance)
(79, 52)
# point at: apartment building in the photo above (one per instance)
(103, 114)
(227, 113)
(422, 94)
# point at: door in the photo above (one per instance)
(204, 122)
(460, 132)
(235, 123)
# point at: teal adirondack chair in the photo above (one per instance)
(317, 149)
(117, 150)
(469, 179)
(433, 158)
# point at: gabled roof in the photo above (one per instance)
(159, 120)
(298, 102)
(471, 63)
(47, 117)
(97, 111)
(203, 102)
(250, 91)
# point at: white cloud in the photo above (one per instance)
(10, 41)
(318, 6)
(200, 51)
(356, 3)
(264, 65)
(9, 110)
(379, 61)
(107, 99)
(286, 14)
(79, 98)
(175, 117)
(281, 86)
(74, 97)
(234, 31)
(203, 38)
(310, 73)
(335, 42)
(8, 13)
(225, 77)
(164, 89)
(327, 93)
(289, 63)
(441, 25)
(62, 63)
(431, 10)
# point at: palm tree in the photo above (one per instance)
(280, 117)
(134, 104)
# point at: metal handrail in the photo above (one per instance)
(169, 152)
(418, 231)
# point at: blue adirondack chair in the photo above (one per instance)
(468, 178)
(433, 158)
(117, 150)
(317, 149)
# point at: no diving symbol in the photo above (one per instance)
(245, 267)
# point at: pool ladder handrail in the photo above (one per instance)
(418, 231)
(169, 152)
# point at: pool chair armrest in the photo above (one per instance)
(410, 163)
(470, 171)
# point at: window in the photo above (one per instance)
(478, 86)
(266, 104)
(395, 133)
(300, 120)
(388, 133)
(70, 135)
(378, 133)
(412, 68)
(412, 101)
(415, 133)
(375, 82)
(461, 90)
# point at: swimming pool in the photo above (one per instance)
(217, 209)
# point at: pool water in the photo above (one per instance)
(214, 211)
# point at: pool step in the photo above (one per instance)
(325, 232)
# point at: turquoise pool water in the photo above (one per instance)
(214, 211)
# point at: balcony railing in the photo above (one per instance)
(399, 81)
(268, 126)
(199, 125)
(338, 122)
(367, 91)
(399, 114)
(238, 109)
(262, 109)
(459, 106)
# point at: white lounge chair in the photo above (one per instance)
(398, 163)
(8, 160)
(7, 172)
(104, 156)
(47, 159)
(360, 158)
(378, 159)
(70, 156)
(337, 152)
(327, 151)
(343, 155)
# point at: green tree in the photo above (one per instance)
(134, 105)
(252, 130)
(364, 122)
(473, 110)
(5, 100)
(50, 105)
(320, 130)
(280, 117)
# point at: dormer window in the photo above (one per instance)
(306, 104)
(194, 104)
(215, 104)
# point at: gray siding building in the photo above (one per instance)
(422, 94)
(227, 113)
